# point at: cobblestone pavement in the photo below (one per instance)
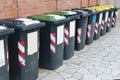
(98, 61)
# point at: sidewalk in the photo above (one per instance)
(98, 61)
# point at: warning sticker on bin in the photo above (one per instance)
(2, 53)
(32, 42)
(100, 18)
(72, 28)
(60, 34)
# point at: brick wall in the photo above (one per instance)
(84, 3)
(8, 8)
(33, 7)
(107, 1)
(93, 2)
(68, 4)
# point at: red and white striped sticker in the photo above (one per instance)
(96, 28)
(66, 36)
(7, 53)
(52, 42)
(79, 31)
(89, 31)
(102, 25)
(108, 22)
(113, 21)
(21, 53)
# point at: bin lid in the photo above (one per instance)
(5, 31)
(64, 13)
(57, 17)
(90, 11)
(49, 18)
(71, 15)
(28, 21)
(2, 27)
(81, 12)
(23, 24)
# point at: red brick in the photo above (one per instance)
(92, 2)
(84, 3)
(68, 4)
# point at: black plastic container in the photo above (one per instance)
(114, 16)
(23, 48)
(69, 32)
(51, 42)
(91, 26)
(4, 58)
(98, 25)
(80, 35)
(104, 22)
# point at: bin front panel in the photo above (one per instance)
(72, 29)
(4, 65)
(60, 34)
(100, 18)
(112, 14)
(2, 53)
(32, 42)
(116, 13)
(106, 16)
(24, 59)
(94, 18)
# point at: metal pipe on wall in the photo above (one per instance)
(17, 10)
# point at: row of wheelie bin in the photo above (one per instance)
(46, 40)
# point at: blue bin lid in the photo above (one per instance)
(81, 12)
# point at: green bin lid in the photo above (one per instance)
(64, 13)
(47, 17)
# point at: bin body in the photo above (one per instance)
(4, 58)
(51, 46)
(69, 39)
(51, 40)
(81, 28)
(111, 18)
(90, 29)
(81, 33)
(69, 33)
(4, 73)
(109, 21)
(98, 26)
(114, 17)
(23, 49)
(104, 23)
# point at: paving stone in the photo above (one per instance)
(52, 76)
(89, 76)
(83, 70)
(105, 76)
(70, 70)
(115, 72)
(78, 76)
(65, 75)
(92, 79)
(71, 79)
